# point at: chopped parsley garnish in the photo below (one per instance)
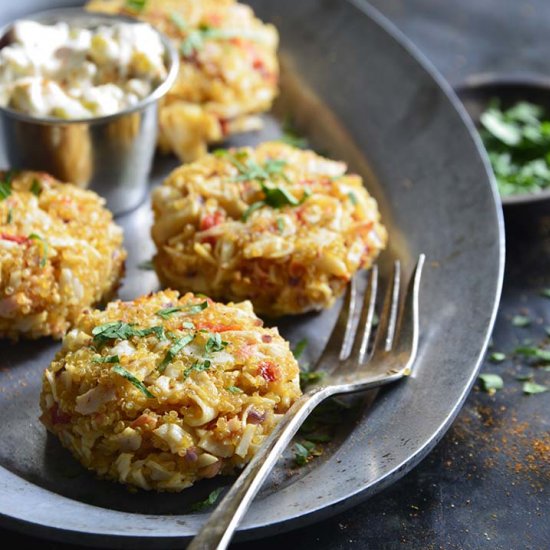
(291, 136)
(136, 5)
(305, 451)
(234, 389)
(517, 141)
(44, 246)
(249, 170)
(207, 502)
(196, 37)
(491, 382)
(174, 350)
(299, 348)
(146, 265)
(5, 186)
(541, 355)
(531, 388)
(123, 331)
(133, 380)
(36, 188)
(280, 224)
(197, 366)
(308, 377)
(497, 357)
(215, 343)
(353, 198)
(107, 359)
(521, 321)
(10, 215)
(189, 310)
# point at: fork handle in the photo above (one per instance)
(216, 533)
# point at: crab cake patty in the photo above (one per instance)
(228, 69)
(165, 390)
(282, 227)
(60, 252)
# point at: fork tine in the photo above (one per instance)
(364, 325)
(341, 333)
(408, 328)
(388, 318)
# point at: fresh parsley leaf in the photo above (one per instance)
(197, 366)
(195, 308)
(207, 502)
(491, 382)
(531, 388)
(291, 136)
(146, 265)
(353, 198)
(301, 454)
(521, 321)
(44, 246)
(308, 377)
(174, 350)
(252, 208)
(179, 21)
(123, 331)
(133, 380)
(168, 312)
(299, 348)
(136, 5)
(5, 186)
(36, 188)
(497, 357)
(542, 355)
(234, 389)
(106, 359)
(215, 343)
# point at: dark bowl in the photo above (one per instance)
(478, 91)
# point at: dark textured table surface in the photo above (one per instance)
(485, 485)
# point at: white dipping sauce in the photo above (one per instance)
(68, 72)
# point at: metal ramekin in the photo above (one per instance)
(112, 154)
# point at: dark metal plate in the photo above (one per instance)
(362, 95)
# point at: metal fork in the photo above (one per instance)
(392, 357)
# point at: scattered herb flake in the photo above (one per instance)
(189, 310)
(174, 350)
(10, 215)
(120, 330)
(491, 382)
(106, 359)
(5, 186)
(299, 348)
(207, 502)
(301, 454)
(291, 136)
(531, 388)
(524, 377)
(133, 380)
(136, 5)
(280, 224)
(43, 245)
(146, 265)
(215, 343)
(542, 355)
(234, 389)
(353, 198)
(197, 366)
(36, 188)
(179, 21)
(545, 292)
(521, 321)
(497, 357)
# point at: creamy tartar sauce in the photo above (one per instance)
(69, 72)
